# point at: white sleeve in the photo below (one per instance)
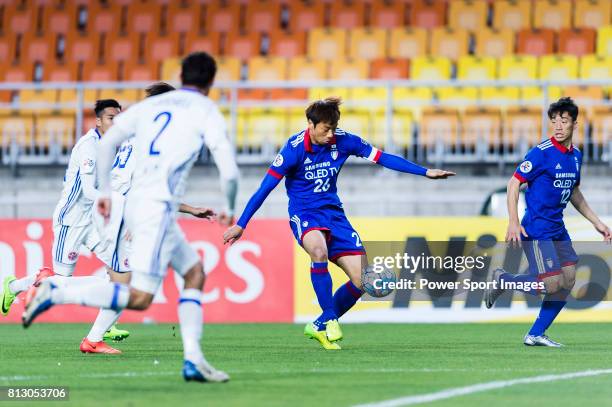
(87, 168)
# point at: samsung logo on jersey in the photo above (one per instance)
(565, 175)
(317, 165)
(563, 183)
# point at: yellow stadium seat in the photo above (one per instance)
(316, 93)
(449, 43)
(512, 14)
(522, 126)
(296, 121)
(57, 129)
(369, 95)
(38, 99)
(357, 121)
(558, 67)
(431, 68)
(401, 128)
(481, 127)
(439, 126)
(349, 69)
(595, 67)
(228, 69)
(17, 128)
(125, 97)
(304, 68)
(553, 14)
(518, 67)
(265, 127)
(604, 41)
(407, 43)
(469, 15)
(592, 13)
(494, 43)
(460, 96)
(327, 43)
(502, 95)
(477, 68)
(413, 99)
(367, 43)
(171, 69)
(267, 69)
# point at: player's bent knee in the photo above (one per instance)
(139, 300)
(318, 254)
(553, 284)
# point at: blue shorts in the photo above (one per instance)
(342, 239)
(547, 257)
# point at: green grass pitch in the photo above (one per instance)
(274, 365)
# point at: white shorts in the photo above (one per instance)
(113, 235)
(157, 242)
(118, 251)
(68, 241)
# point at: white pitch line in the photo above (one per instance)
(481, 387)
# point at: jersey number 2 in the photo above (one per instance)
(168, 116)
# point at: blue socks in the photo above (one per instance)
(551, 306)
(345, 297)
(322, 284)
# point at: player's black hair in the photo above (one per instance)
(561, 106)
(103, 104)
(326, 110)
(198, 69)
(158, 88)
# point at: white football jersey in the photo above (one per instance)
(168, 132)
(123, 168)
(74, 209)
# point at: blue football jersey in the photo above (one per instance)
(312, 170)
(551, 172)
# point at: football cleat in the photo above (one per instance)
(541, 340)
(97, 347)
(115, 334)
(203, 372)
(492, 294)
(39, 302)
(7, 296)
(42, 274)
(332, 330)
(310, 330)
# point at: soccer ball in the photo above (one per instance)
(371, 279)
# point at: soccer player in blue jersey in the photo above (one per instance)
(551, 171)
(310, 162)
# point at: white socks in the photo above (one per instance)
(100, 294)
(191, 320)
(106, 318)
(22, 284)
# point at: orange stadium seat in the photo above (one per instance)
(17, 74)
(304, 68)
(287, 44)
(242, 46)
(477, 68)
(118, 48)
(514, 15)
(17, 128)
(8, 48)
(199, 41)
(347, 14)
(439, 126)
(60, 71)
(37, 48)
(185, 17)
(303, 16)
(327, 43)
(103, 18)
(449, 43)
(604, 41)
(552, 14)
(427, 13)
(387, 14)
(536, 42)
(143, 17)
(82, 48)
(468, 15)
(54, 21)
(223, 17)
(407, 43)
(602, 126)
(431, 68)
(592, 13)
(481, 127)
(581, 94)
(55, 129)
(367, 43)
(20, 20)
(267, 69)
(577, 42)
(262, 16)
(159, 48)
(595, 67)
(92, 72)
(349, 69)
(390, 69)
(522, 126)
(140, 72)
(494, 43)
(4, 20)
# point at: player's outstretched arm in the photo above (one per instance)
(203, 213)
(397, 163)
(515, 229)
(580, 203)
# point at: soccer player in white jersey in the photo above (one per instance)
(169, 132)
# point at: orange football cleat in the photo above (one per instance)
(42, 274)
(97, 347)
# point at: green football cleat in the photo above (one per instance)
(310, 330)
(333, 331)
(7, 296)
(115, 334)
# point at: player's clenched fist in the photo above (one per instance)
(438, 174)
(104, 207)
(232, 234)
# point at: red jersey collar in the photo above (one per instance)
(560, 146)
(308, 142)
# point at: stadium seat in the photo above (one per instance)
(349, 69)
(242, 46)
(439, 126)
(480, 128)
(449, 43)
(552, 14)
(57, 21)
(8, 48)
(262, 16)
(56, 129)
(303, 16)
(20, 19)
(42, 100)
(536, 42)
(477, 68)
(387, 14)
(602, 127)
(519, 68)
(37, 49)
(592, 13)
(407, 43)
(402, 128)
(457, 96)
(296, 121)
(431, 68)
(595, 67)
(92, 72)
(117, 48)
(387, 68)
(347, 14)
(17, 74)
(500, 95)
(287, 44)
(125, 97)
(228, 69)
(494, 43)
(604, 41)
(468, 15)
(576, 42)
(17, 128)
(412, 98)
(514, 15)
(159, 48)
(315, 93)
(143, 17)
(427, 13)
(522, 128)
(304, 68)
(103, 18)
(370, 96)
(327, 43)
(583, 95)
(367, 43)
(81, 47)
(54, 71)
(267, 69)
(558, 67)
(185, 17)
(223, 17)
(357, 121)
(171, 69)
(208, 42)
(140, 72)
(265, 126)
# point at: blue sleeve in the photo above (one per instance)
(356, 146)
(269, 182)
(531, 167)
(394, 162)
(284, 162)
